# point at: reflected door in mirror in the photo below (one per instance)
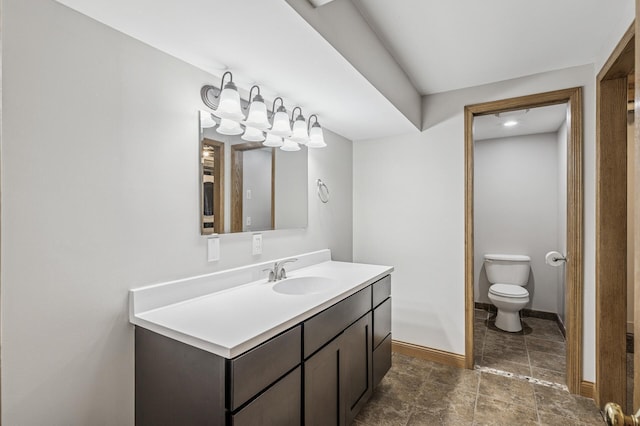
(212, 190)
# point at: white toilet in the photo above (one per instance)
(508, 273)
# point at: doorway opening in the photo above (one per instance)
(572, 98)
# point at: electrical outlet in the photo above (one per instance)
(248, 220)
(248, 194)
(257, 244)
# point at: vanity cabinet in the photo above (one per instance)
(319, 372)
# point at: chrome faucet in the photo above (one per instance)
(278, 272)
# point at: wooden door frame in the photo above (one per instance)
(218, 202)
(575, 226)
(611, 221)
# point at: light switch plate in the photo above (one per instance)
(257, 244)
(213, 249)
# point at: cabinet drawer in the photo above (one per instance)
(381, 322)
(323, 327)
(253, 371)
(280, 405)
(381, 360)
(381, 290)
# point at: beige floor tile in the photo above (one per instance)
(563, 404)
(450, 399)
(429, 416)
(543, 329)
(506, 352)
(492, 412)
(411, 366)
(461, 378)
(547, 346)
(508, 390)
(548, 361)
(400, 386)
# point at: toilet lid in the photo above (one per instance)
(508, 290)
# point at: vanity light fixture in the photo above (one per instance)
(229, 127)
(229, 103)
(300, 133)
(290, 145)
(273, 141)
(206, 120)
(510, 123)
(316, 136)
(281, 126)
(257, 117)
(252, 134)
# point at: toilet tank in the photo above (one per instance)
(507, 268)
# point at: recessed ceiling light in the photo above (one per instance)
(510, 123)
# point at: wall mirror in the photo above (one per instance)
(247, 187)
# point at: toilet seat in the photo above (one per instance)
(508, 290)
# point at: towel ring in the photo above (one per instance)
(323, 191)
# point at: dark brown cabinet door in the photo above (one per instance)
(356, 368)
(322, 387)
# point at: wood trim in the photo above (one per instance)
(611, 240)
(636, 218)
(218, 179)
(575, 218)
(588, 389)
(430, 354)
(468, 237)
(621, 61)
(236, 189)
(611, 221)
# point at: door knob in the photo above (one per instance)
(614, 416)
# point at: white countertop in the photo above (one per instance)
(234, 320)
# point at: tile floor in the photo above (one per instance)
(419, 392)
(537, 351)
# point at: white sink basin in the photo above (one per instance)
(305, 285)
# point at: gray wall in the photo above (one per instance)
(516, 210)
(107, 199)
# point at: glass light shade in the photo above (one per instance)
(290, 145)
(229, 127)
(257, 117)
(316, 138)
(273, 141)
(206, 120)
(281, 125)
(252, 134)
(229, 105)
(300, 134)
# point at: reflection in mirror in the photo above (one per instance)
(247, 187)
(212, 172)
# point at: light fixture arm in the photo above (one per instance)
(309, 121)
(293, 113)
(255, 86)
(207, 92)
(273, 108)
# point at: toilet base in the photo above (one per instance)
(508, 321)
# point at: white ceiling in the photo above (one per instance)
(263, 42)
(441, 45)
(536, 120)
(451, 44)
